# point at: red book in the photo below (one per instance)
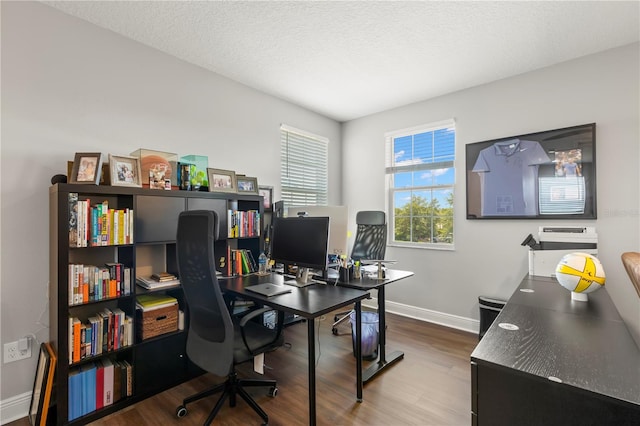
(100, 386)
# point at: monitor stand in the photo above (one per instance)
(304, 276)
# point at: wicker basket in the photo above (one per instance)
(156, 322)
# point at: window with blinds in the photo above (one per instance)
(420, 183)
(304, 167)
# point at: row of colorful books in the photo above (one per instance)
(88, 283)
(242, 224)
(98, 225)
(240, 262)
(106, 331)
(98, 385)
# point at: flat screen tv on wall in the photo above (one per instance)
(544, 175)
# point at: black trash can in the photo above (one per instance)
(489, 310)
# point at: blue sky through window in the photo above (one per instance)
(424, 151)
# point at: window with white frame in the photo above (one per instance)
(420, 182)
(303, 167)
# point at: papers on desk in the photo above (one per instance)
(370, 269)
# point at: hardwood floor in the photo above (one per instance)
(430, 386)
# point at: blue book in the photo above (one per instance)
(90, 390)
(88, 341)
(75, 395)
(83, 391)
(96, 238)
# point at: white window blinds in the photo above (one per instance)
(304, 168)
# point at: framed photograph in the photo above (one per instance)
(125, 170)
(248, 185)
(221, 180)
(267, 197)
(42, 386)
(86, 168)
(543, 175)
(104, 173)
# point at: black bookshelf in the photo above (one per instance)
(158, 363)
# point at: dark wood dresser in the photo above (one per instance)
(567, 363)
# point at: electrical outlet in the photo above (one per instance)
(12, 353)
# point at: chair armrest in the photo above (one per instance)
(277, 333)
(253, 314)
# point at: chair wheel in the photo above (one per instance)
(273, 391)
(334, 330)
(181, 411)
(336, 318)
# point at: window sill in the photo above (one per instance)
(443, 247)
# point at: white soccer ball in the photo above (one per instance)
(580, 273)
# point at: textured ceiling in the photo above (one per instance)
(349, 59)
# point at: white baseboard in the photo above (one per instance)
(14, 408)
(447, 320)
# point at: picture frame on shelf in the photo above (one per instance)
(87, 167)
(267, 197)
(125, 170)
(104, 173)
(221, 180)
(247, 185)
(42, 385)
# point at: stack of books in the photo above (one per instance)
(163, 276)
(159, 280)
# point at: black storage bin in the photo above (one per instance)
(489, 310)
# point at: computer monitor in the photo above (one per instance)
(301, 241)
(338, 220)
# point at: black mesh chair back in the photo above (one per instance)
(211, 330)
(371, 236)
(216, 340)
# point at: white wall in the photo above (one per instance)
(69, 86)
(488, 259)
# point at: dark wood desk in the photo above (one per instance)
(367, 284)
(309, 302)
(569, 362)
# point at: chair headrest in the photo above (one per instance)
(371, 217)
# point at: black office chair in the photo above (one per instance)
(370, 244)
(216, 341)
(371, 236)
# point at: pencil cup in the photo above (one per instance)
(345, 275)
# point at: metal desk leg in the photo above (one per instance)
(358, 309)
(395, 356)
(311, 352)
